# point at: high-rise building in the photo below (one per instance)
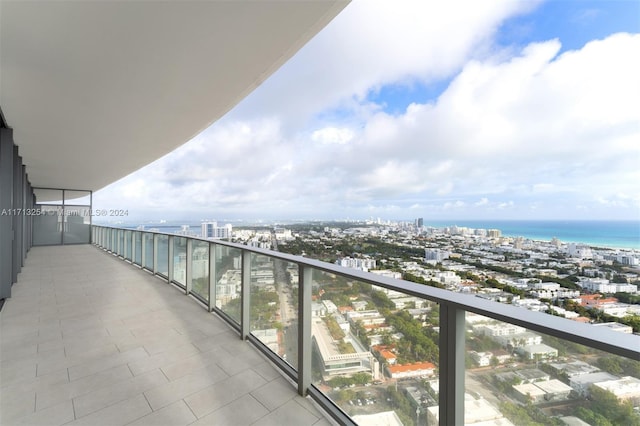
(211, 230)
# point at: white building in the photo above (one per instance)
(372, 317)
(212, 231)
(406, 371)
(476, 412)
(563, 312)
(483, 359)
(519, 340)
(620, 310)
(601, 285)
(538, 351)
(447, 277)
(362, 264)
(543, 391)
(623, 388)
(582, 382)
(579, 251)
(385, 418)
(283, 234)
(498, 329)
(435, 254)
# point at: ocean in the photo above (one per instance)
(598, 233)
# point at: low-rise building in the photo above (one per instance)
(624, 388)
(532, 375)
(538, 351)
(386, 418)
(528, 392)
(583, 382)
(476, 412)
(405, 371)
(573, 369)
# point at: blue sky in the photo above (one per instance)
(442, 110)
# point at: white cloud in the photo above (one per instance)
(526, 129)
(332, 135)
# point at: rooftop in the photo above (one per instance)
(89, 339)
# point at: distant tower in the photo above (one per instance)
(419, 223)
(211, 230)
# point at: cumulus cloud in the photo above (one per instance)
(332, 135)
(532, 130)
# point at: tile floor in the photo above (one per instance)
(87, 339)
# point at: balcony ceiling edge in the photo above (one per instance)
(96, 90)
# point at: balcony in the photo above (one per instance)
(87, 336)
(87, 339)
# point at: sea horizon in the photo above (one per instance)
(623, 234)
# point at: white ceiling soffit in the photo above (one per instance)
(94, 90)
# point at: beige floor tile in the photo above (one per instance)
(170, 392)
(290, 413)
(224, 392)
(102, 363)
(58, 414)
(243, 411)
(275, 393)
(176, 414)
(46, 397)
(118, 414)
(116, 392)
(16, 405)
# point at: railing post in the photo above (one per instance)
(188, 267)
(143, 249)
(245, 328)
(132, 252)
(452, 365)
(212, 276)
(154, 266)
(305, 274)
(170, 259)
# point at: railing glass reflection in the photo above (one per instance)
(137, 245)
(200, 269)
(228, 281)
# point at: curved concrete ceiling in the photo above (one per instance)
(96, 90)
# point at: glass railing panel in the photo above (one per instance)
(120, 248)
(200, 268)
(113, 236)
(228, 280)
(47, 225)
(127, 245)
(180, 261)
(137, 253)
(374, 350)
(162, 268)
(528, 377)
(76, 224)
(147, 241)
(274, 305)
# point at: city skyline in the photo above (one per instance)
(517, 110)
